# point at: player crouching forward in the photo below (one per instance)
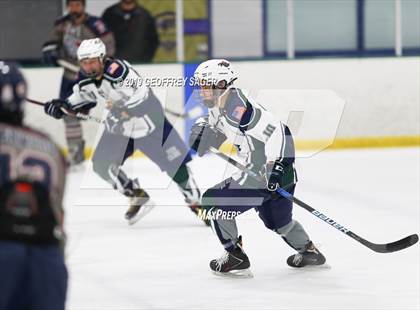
(266, 145)
(135, 121)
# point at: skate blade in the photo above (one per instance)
(312, 267)
(236, 274)
(144, 210)
(317, 267)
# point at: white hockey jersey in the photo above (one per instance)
(256, 134)
(123, 87)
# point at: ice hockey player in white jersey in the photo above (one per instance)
(135, 121)
(266, 146)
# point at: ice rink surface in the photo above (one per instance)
(162, 261)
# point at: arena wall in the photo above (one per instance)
(351, 102)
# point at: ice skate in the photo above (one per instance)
(140, 205)
(310, 257)
(234, 264)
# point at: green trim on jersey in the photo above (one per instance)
(256, 116)
(85, 82)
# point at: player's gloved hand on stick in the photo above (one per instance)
(203, 136)
(50, 53)
(54, 108)
(274, 173)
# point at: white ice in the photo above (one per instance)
(162, 261)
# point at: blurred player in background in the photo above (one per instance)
(69, 30)
(134, 29)
(32, 175)
(135, 121)
(266, 145)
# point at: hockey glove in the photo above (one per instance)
(50, 53)
(274, 172)
(54, 108)
(203, 136)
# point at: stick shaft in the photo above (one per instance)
(68, 65)
(78, 115)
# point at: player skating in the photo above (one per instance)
(135, 122)
(266, 145)
(32, 175)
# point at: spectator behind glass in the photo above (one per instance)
(134, 31)
(67, 34)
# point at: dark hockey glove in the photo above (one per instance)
(54, 108)
(203, 136)
(274, 172)
(50, 53)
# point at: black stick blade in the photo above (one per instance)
(394, 246)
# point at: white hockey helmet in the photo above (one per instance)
(91, 48)
(213, 71)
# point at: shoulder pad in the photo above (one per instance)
(96, 25)
(115, 70)
(235, 105)
(239, 111)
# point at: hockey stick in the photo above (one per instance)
(78, 115)
(380, 248)
(68, 65)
